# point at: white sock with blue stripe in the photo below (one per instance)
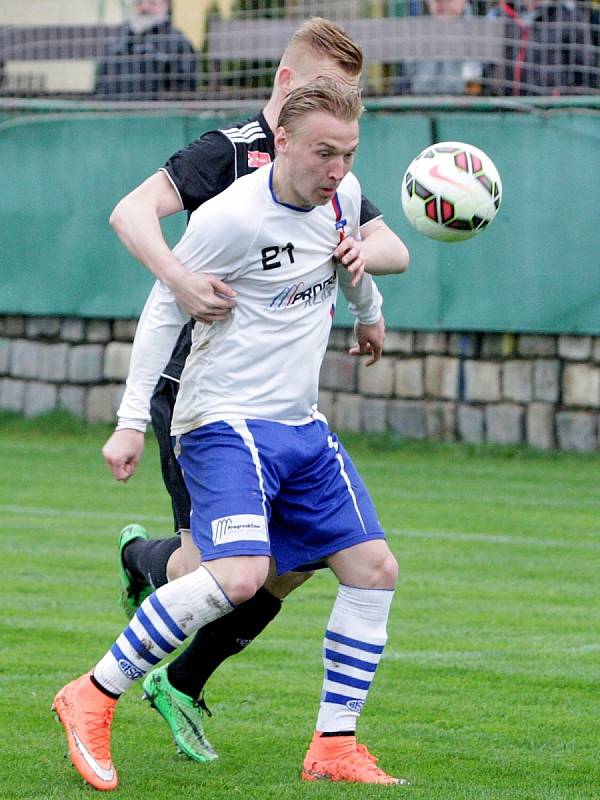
(354, 640)
(160, 625)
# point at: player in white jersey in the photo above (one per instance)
(279, 264)
(283, 486)
(207, 166)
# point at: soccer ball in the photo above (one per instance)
(451, 191)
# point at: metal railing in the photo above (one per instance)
(487, 50)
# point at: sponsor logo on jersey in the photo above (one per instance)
(257, 159)
(239, 528)
(314, 295)
(129, 670)
(355, 705)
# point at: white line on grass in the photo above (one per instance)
(460, 658)
(74, 513)
(451, 536)
(489, 538)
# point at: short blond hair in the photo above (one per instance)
(325, 39)
(321, 95)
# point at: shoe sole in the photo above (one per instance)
(306, 775)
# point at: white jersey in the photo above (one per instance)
(264, 360)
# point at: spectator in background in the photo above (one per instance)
(549, 50)
(441, 77)
(148, 59)
(595, 22)
(416, 8)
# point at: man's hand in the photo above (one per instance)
(122, 453)
(369, 339)
(203, 297)
(350, 255)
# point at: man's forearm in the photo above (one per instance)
(384, 252)
(138, 227)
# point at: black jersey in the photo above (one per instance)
(209, 165)
(213, 162)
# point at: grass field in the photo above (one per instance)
(489, 687)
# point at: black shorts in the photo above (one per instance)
(161, 411)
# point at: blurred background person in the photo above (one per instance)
(148, 58)
(549, 49)
(595, 22)
(441, 77)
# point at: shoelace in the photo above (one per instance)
(361, 755)
(98, 725)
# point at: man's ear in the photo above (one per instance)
(281, 139)
(285, 79)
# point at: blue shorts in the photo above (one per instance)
(263, 488)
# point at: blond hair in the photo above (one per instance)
(325, 39)
(320, 95)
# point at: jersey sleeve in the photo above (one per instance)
(368, 211)
(202, 169)
(364, 300)
(155, 337)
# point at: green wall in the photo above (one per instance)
(535, 269)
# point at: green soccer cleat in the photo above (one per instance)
(133, 591)
(182, 714)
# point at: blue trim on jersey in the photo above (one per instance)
(151, 630)
(166, 618)
(368, 648)
(347, 680)
(140, 648)
(280, 202)
(342, 658)
(337, 207)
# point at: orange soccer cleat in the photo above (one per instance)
(340, 758)
(86, 714)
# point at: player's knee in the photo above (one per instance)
(383, 571)
(240, 577)
(176, 566)
(281, 585)
(243, 588)
(389, 571)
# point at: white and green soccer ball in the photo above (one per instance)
(451, 191)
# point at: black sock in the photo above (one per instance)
(103, 689)
(146, 559)
(220, 639)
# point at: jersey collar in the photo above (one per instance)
(280, 202)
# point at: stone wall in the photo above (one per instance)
(504, 388)
(75, 364)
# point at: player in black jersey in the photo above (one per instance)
(189, 178)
